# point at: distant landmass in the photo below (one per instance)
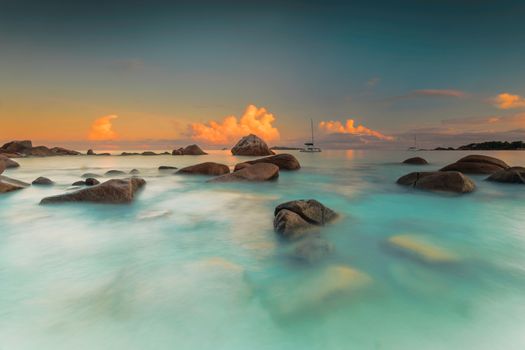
(284, 148)
(487, 146)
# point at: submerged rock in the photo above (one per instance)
(448, 181)
(416, 248)
(114, 173)
(415, 161)
(79, 183)
(166, 167)
(130, 154)
(7, 184)
(207, 168)
(134, 172)
(254, 173)
(514, 175)
(292, 219)
(284, 161)
(114, 191)
(91, 181)
(90, 175)
(312, 249)
(149, 153)
(477, 164)
(251, 145)
(42, 181)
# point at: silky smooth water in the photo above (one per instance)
(196, 265)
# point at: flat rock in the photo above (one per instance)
(415, 161)
(284, 161)
(114, 191)
(447, 181)
(253, 173)
(8, 184)
(166, 167)
(207, 168)
(515, 175)
(477, 164)
(114, 173)
(251, 145)
(42, 181)
(8, 163)
(419, 249)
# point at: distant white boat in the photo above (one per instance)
(310, 146)
(414, 148)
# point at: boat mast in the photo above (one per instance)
(312, 127)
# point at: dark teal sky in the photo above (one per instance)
(175, 63)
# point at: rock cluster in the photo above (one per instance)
(25, 148)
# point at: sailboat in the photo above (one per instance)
(310, 146)
(414, 148)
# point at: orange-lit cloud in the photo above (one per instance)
(509, 101)
(101, 129)
(255, 120)
(439, 93)
(349, 128)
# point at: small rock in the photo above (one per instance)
(134, 171)
(514, 175)
(114, 173)
(295, 218)
(91, 182)
(149, 153)
(166, 167)
(415, 161)
(79, 183)
(207, 168)
(90, 152)
(42, 181)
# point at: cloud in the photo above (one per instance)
(101, 129)
(487, 124)
(254, 120)
(373, 82)
(336, 127)
(437, 93)
(509, 101)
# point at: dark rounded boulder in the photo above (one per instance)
(90, 152)
(166, 167)
(284, 161)
(134, 172)
(193, 150)
(292, 219)
(514, 175)
(251, 145)
(207, 168)
(253, 173)
(440, 181)
(42, 181)
(477, 164)
(114, 191)
(114, 173)
(415, 161)
(91, 181)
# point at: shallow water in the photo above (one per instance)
(193, 265)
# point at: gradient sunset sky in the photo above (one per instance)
(152, 74)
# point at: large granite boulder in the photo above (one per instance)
(42, 181)
(284, 161)
(441, 181)
(514, 175)
(251, 145)
(477, 164)
(17, 146)
(7, 184)
(114, 191)
(253, 173)
(9, 163)
(207, 168)
(293, 219)
(415, 161)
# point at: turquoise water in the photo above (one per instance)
(193, 265)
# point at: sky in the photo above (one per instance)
(160, 74)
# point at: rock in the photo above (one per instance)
(207, 168)
(240, 166)
(18, 146)
(417, 248)
(114, 191)
(90, 175)
(149, 153)
(514, 175)
(178, 152)
(129, 154)
(134, 171)
(90, 152)
(295, 218)
(103, 154)
(477, 164)
(114, 173)
(193, 150)
(7, 184)
(42, 181)
(39, 151)
(256, 172)
(2, 166)
(9, 163)
(284, 161)
(447, 181)
(415, 161)
(166, 167)
(312, 249)
(251, 145)
(91, 182)
(79, 183)
(59, 151)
